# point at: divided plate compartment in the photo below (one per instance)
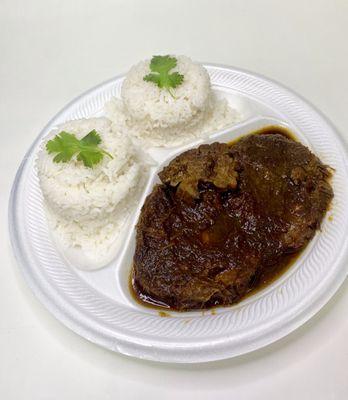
(98, 304)
(163, 157)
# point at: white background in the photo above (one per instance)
(51, 51)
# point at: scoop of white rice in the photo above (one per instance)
(153, 116)
(88, 206)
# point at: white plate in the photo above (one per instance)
(97, 305)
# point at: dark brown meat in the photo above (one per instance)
(287, 181)
(245, 207)
(209, 163)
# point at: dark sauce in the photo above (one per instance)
(272, 273)
(145, 300)
(268, 130)
(267, 277)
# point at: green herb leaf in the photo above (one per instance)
(92, 138)
(160, 67)
(86, 150)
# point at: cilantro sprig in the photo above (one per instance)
(66, 145)
(160, 67)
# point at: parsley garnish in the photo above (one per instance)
(160, 67)
(67, 145)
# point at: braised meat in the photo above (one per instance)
(223, 215)
(209, 163)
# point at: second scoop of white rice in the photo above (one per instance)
(88, 206)
(152, 115)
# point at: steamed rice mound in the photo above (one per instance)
(153, 116)
(88, 206)
(148, 104)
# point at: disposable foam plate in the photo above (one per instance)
(98, 306)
